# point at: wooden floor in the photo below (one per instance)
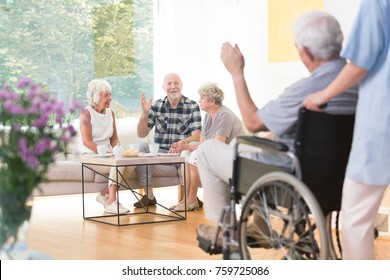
(58, 229)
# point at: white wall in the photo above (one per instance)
(191, 33)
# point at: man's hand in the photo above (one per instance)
(145, 104)
(142, 127)
(232, 58)
(179, 146)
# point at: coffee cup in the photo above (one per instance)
(134, 147)
(118, 151)
(102, 150)
(153, 148)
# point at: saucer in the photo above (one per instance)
(104, 156)
(168, 154)
(147, 155)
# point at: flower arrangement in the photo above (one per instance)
(32, 133)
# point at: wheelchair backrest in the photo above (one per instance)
(322, 145)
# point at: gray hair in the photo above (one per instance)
(95, 88)
(320, 33)
(212, 92)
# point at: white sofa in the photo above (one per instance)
(65, 177)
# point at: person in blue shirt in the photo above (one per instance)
(367, 175)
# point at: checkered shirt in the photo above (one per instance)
(172, 125)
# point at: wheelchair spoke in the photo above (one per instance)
(277, 223)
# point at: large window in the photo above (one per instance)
(63, 44)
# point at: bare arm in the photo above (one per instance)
(142, 128)
(220, 138)
(114, 140)
(195, 136)
(234, 62)
(86, 130)
(348, 77)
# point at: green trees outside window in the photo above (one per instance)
(63, 44)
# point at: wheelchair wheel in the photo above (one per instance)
(281, 219)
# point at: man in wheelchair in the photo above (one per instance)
(318, 39)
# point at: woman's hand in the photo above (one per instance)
(314, 101)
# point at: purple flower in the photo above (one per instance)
(22, 144)
(35, 107)
(8, 95)
(42, 146)
(76, 105)
(43, 134)
(27, 155)
(32, 161)
(71, 130)
(16, 127)
(13, 109)
(22, 82)
(42, 120)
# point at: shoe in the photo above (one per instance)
(145, 201)
(102, 199)
(174, 206)
(200, 203)
(113, 208)
(207, 232)
(257, 238)
(190, 207)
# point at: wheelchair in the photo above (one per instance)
(288, 213)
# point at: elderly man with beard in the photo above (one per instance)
(175, 119)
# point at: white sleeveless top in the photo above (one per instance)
(102, 129)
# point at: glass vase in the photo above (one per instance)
(15, 212)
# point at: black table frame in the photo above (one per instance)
(176, 217)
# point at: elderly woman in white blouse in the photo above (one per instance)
(98, 127)
(219, 123)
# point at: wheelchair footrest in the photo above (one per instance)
(206, 246)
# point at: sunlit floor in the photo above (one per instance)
(58, 229)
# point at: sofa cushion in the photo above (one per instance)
(67, 170)
(126, 128)
(127, 131)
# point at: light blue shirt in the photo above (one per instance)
(280, 116)
(368, 47)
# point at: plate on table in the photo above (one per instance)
(169, 154)
(104, 156)
(130, 153)
(147, 155)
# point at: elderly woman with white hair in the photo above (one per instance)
(98, 127)
(219, 123)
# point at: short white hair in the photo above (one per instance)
(320, 33)
(212, 92)
(95, 88)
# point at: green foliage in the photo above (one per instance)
(65, 44)
(114, 55)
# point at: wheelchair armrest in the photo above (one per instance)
(262, 143)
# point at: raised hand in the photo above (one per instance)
(145, 104)
(232, 58)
